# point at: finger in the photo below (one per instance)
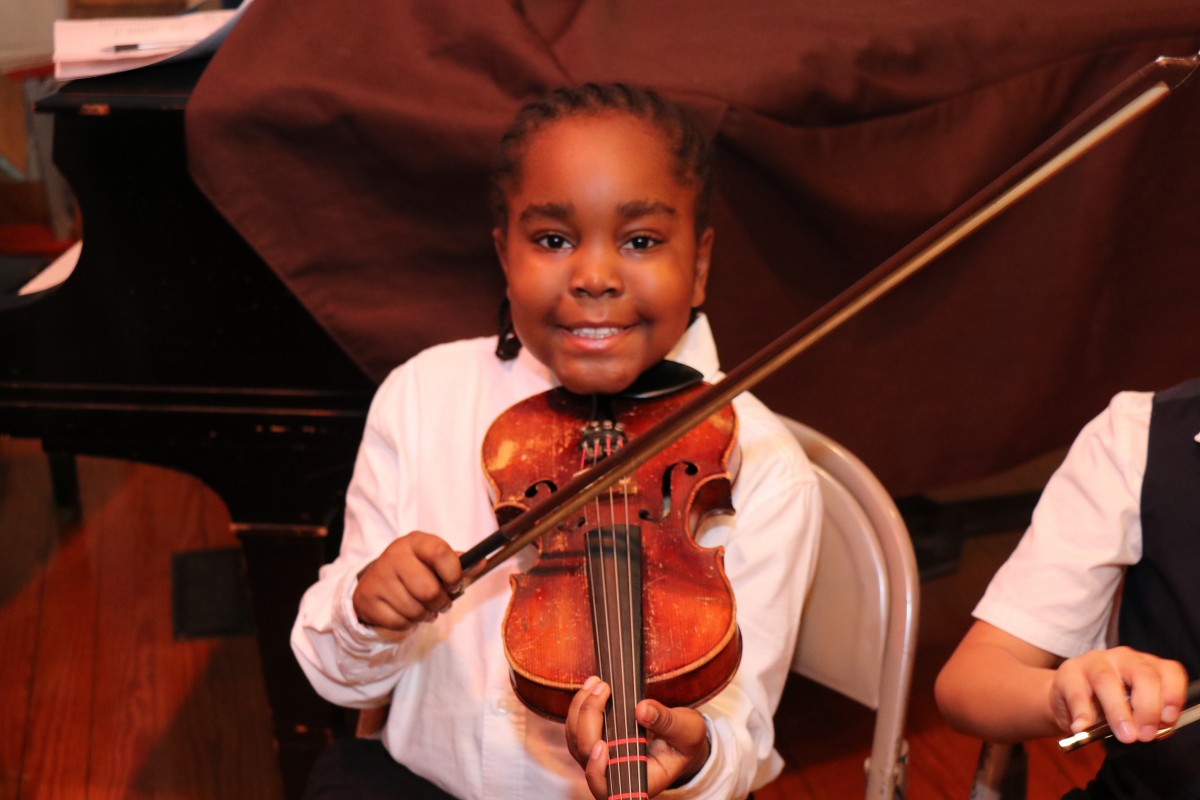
(595, 770)
(580, 743)
(585, 729)
(678, 742)
(1174, 691)
(1112, 695)
(1145, 698)
(588, 727)
(412, 588)
(440, 558)
(386, 604)
(683, 729)
(432, 571)
(1076, 693)
(373, 598)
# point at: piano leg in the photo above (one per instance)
(281, 563)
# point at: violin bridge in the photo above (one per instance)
(600, 438)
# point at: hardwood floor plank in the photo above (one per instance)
(215, 729)
(26, 533)
(133, 622)
(59, 743)
(232, 695)
(18, 639)
(182, 763)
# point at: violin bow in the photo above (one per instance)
(1122, 104)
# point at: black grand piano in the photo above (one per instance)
(172, 343)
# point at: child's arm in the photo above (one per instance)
(344, 640)
(1000, 688)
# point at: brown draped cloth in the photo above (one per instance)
(350, 142)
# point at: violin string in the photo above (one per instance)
(630, 675)
(621, 702)
(633, 679)
(621, 725)
(605, 641)
(627, 732)
(624, 711)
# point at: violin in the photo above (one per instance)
(555, 500)
(630, 555)
(620, 589)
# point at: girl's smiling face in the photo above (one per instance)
(600, 250)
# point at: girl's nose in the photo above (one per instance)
(596, 275)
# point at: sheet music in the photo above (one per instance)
(88, 47)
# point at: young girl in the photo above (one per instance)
(601, 196)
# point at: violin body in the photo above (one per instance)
(688, 645)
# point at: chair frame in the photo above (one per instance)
(883, 683)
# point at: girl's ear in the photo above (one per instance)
(499, 241)
(703, 259)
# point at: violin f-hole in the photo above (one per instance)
(667, 494)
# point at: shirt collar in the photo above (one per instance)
(698, 349)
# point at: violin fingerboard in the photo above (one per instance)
(614, 563)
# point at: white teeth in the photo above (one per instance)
(595, 333)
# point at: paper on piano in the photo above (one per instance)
(87, 47)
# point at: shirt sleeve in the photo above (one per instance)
(1059, 589)
(770, 553)
(348, 663)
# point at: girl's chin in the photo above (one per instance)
(597, 381)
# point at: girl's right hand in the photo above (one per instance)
(1134, 692)
(411, 582)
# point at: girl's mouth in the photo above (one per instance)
(595, 333)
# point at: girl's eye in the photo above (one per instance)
(552, 241)
(641, 243)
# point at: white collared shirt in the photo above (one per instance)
(1059, 589)
(454, 718)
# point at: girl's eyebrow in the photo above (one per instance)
(558, 211)
(633, 209)
(630, 209)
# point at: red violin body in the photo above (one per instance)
(571, 609)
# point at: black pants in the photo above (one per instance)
(361, 769)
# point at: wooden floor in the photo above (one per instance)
(98, 699)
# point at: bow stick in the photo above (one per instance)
(1128, 100)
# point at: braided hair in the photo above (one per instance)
(692, 151)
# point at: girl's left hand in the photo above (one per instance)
(678, 740)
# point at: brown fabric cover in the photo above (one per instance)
(350, 144)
